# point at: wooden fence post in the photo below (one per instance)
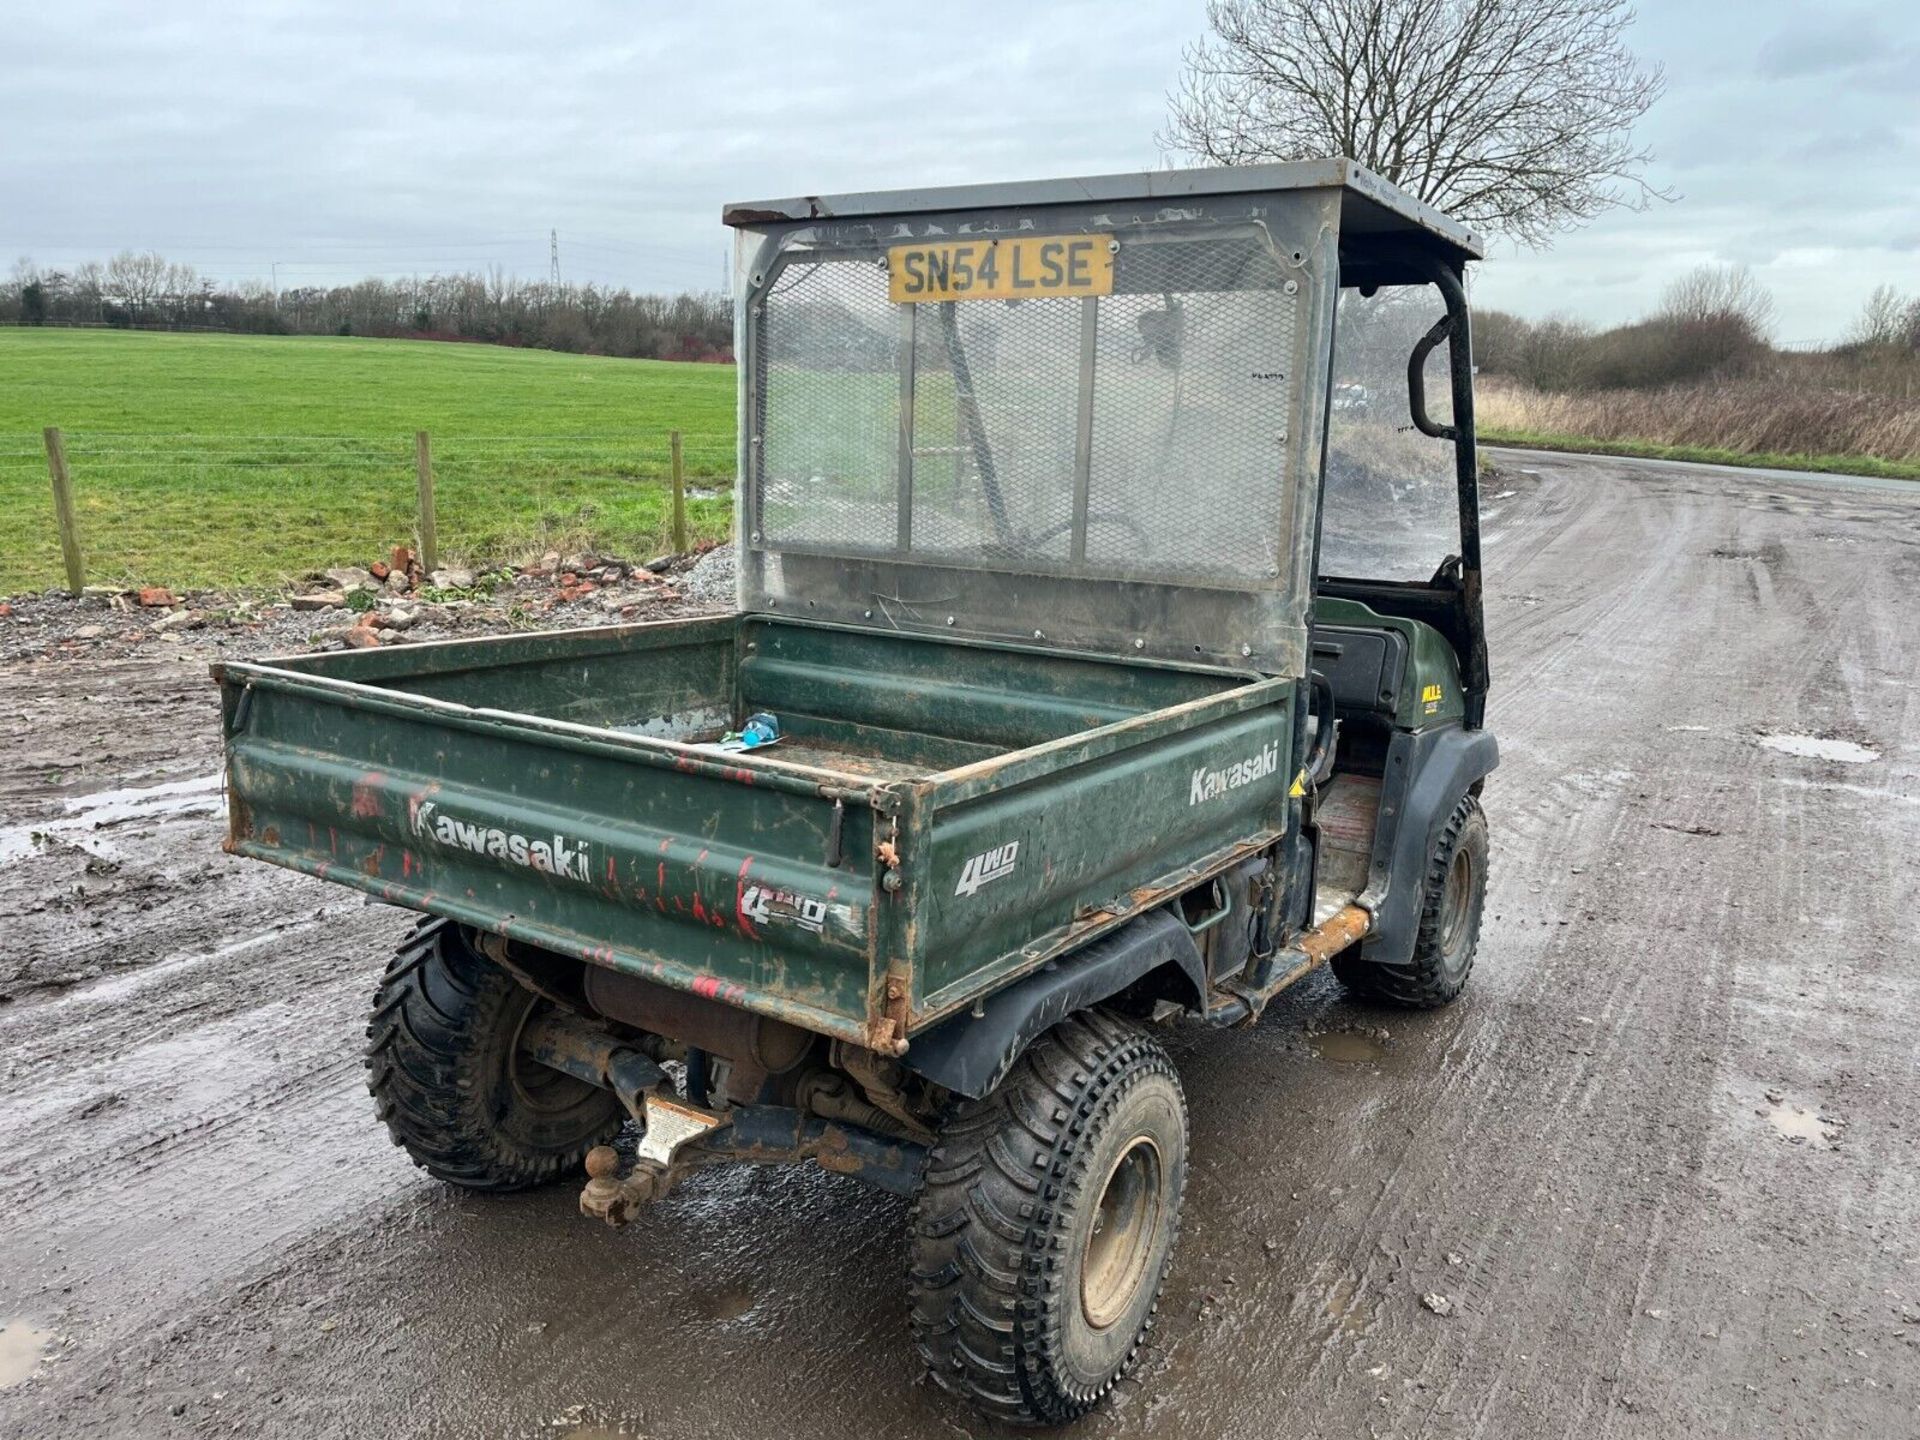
(429, 529)
(679, 498)
(63, 509)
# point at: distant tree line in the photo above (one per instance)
(1713, 324)
(147, 290)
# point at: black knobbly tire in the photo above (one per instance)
(1453, 893)
(1042, 1233)
(446, 1077)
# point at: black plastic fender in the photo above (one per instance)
(1427, 773)
(970, 1054)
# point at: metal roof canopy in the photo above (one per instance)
(1381, 226)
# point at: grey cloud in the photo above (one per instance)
(319, 142)
(1834, 42)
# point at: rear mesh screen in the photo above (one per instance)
(1140, 434)
(1079, 426)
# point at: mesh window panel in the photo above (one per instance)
(830, 419)
(1192, 389)
(996, 395)
(1182, 375)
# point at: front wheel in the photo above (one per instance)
(1453, 893)
(449, 1079)
(1046, 1222)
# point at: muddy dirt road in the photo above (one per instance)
(1662, 1161)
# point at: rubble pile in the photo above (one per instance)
(391, 600)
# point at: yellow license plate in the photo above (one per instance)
(1025, 267)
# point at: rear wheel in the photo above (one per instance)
(448, 1078)
(1049, 1213)
(1454, 892)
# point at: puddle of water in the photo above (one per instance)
(1814, 747)
(22, 1348)
(1795, 1123)
(89, 813)
(1349, 1047)
(1345, 1306)
(728, 1304)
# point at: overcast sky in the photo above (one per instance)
(315, 142)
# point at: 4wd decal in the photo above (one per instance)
(1212, 784)
(987, 866)
(555, 856)
(764, 905)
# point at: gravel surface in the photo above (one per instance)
(712, 578)
(1656, 1174)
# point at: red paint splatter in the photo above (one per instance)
(366, 796)
(740, 901)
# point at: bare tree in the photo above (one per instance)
(1711, 293)
(1514, 116)
(136, 281)
(1886, 319)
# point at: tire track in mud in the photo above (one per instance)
(152, 1114)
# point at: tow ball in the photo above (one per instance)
(669, 1126)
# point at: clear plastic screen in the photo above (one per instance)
(1114, 468)
(1140, 433)
(1391, 509)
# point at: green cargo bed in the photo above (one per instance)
(938, 817)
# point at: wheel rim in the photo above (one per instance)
(1455, 900)
(1120, 1242)
(540, 1087)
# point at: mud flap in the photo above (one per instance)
(971, 1053)
(1427, 774)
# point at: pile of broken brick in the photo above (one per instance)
(391, 595)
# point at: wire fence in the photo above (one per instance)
(217, 510)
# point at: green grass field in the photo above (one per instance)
(241, 460)
(223, 460)
(1701, 454)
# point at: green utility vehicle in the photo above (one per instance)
(1120, 676)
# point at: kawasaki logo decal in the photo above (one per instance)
(556, 856)
(1212, 784)
(988, 865)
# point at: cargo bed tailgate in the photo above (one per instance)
(704, 870)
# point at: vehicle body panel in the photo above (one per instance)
(826, 883)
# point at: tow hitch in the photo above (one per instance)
(681, 1137)
(670, 1125)
(677, 1137)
